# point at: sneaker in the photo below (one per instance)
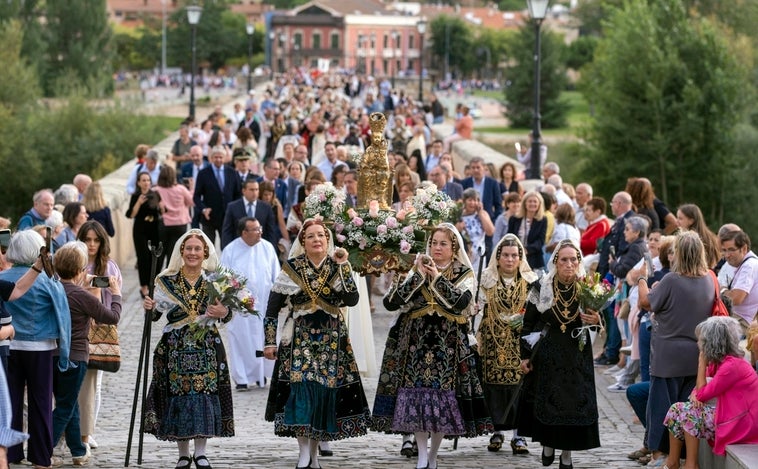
(657, 462)
(618, 387)
(92, 443)
(81, 460)
(626, 350)
(613, 370)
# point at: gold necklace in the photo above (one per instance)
(561, 307)
(190, 294)
(504, 300)
(318, 285)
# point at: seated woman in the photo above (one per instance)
(734, 417)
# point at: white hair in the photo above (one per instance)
(24, 247)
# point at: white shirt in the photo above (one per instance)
(131, 183)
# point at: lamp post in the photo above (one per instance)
(193, 17)
(271, 45)
(250, 28)
(538, 11)
(421, 26)
(282, 43)
(393, 35)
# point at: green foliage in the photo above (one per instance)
(511, 5)
(667, 94)
(581, 51)
(78, 39)
(20, 87)
(453, 36)
(519, 94)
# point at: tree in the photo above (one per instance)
(79, 47)
(519, 94)
(666, 105)
(452, 40)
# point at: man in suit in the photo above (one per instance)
(351, 188)
(249, 206)
(251, 122)
(271, 172)
(241, 159)
(188, 176)
(216, 186)
(440, 177)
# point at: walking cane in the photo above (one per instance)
(481, 251)
(144, 360)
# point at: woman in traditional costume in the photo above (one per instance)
(559, 405)
(428, 383)
(504, 289)
(190, 397)
(316, 390)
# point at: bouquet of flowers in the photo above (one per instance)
(363, 229)
(594, 294)
(228, 287)
(430, 205)
(325, 202)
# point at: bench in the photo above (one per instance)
(741, 457)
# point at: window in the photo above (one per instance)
(335, 41)
(386, 42)
(411, 38)
(361, 38)
(298, 40)
(385, 66)
(317, 40)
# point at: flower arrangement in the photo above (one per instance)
(430, 205)
(594, 294)
(325, 201)
(228, 287)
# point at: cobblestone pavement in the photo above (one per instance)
(255, 445)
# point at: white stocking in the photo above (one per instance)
(423, 455)
(303, 444)
(183, 447)
(313, 447)
(548, 451)
(434, 448)
(566, 457)
(200, 446)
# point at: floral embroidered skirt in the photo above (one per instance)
(424, 387)
(190, 395)
(316, 390)
(697, 420)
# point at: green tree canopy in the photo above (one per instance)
(451, 36)
(519, 94)
(668, 94)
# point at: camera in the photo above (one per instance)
(101, 282)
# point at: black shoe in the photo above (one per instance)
(605, 361)
(241, 387)
(303, 467)
(547, 460)
(325, 452)
(184, 462)
(407, 449)
(565, 466)
(204, 466)
(518, 445)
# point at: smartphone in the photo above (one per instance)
(48, 239)
(5, 238)
(613, 251)
(101, 282)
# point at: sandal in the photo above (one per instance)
(407, 449)
(180, 464)
(518, 445)
(496, 442)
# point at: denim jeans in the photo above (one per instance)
(613, 342)
(637, 395)
(66, 387)
(644, 339)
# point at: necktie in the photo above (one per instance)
(250, 209)
(220, 178)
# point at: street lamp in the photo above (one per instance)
(271, 44)
(421, 26)
(193, 17)
(393, 35)
(538, 11)
(250, 28)
(283, 44)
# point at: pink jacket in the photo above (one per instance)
(735, 385)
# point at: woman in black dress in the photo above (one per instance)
(559, 405)
(144, 208)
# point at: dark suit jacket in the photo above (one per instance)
(616, 239)
(492, 200)
(263, 213)
(186, 170)
(209, 194)
(254, 127)
(535, 240)
(453, 190)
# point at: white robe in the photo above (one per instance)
(361, 331)
(260, 265)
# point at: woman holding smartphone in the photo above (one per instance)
(99, 264)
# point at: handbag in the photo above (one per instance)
(104, 349)
(719, 308)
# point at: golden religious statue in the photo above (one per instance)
(375, 175)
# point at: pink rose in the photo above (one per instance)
(362, 244)
(341, 238)
(357, 221)
(322, 197)
(373, 208)
(338, 227)
(391, 222)
(351, 213)
(401, 215)
(408, 229)
(381, 229)
(405, 246)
